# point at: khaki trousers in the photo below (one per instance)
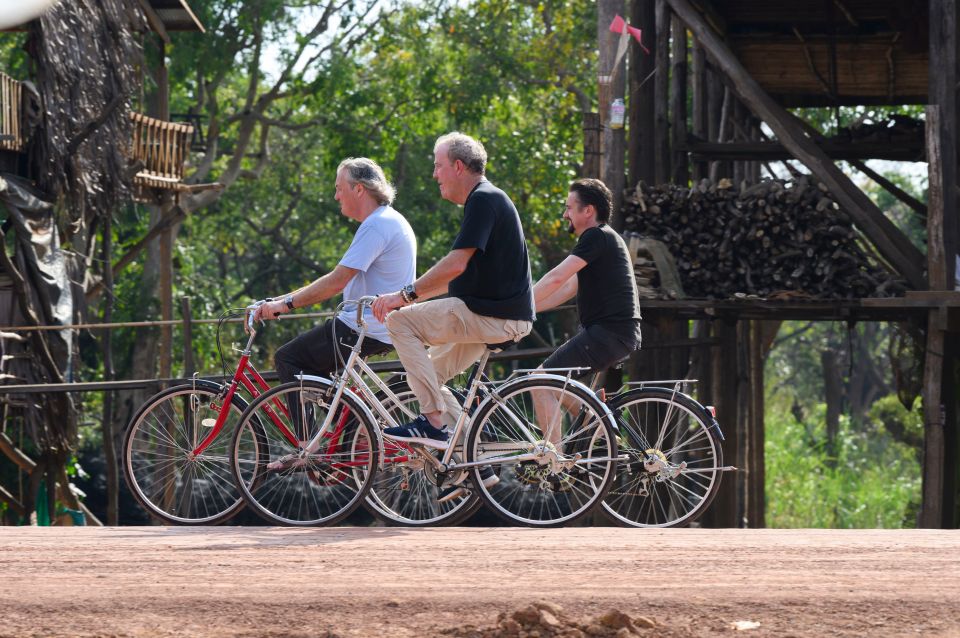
(457, 338)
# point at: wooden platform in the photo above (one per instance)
(915, 305)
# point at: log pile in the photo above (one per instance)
(772, 238)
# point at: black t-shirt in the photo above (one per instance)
(606, 287)
(497, 281)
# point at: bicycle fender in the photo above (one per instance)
(492, 394)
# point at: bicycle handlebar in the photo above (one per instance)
(250, 312)
(362, 303)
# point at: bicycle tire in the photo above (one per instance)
(531, 492)
(171, 484)
(319, 489)
(641, 498)
(410, 498)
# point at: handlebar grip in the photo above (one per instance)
(362, 303)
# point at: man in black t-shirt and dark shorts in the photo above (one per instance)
(599, 272)
(486, 275)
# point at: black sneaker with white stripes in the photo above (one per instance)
(419, 431)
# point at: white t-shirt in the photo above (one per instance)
(384, 250)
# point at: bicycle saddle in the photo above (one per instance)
(499, 347)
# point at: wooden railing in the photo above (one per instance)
(162, 147)
(11, 138)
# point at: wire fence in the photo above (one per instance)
(385, 366)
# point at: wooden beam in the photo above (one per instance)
(919, 207)
(892, 244)
(155, 21)
(12, 502)
(13, 453)
(772, 151)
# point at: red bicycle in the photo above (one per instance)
(177, 457)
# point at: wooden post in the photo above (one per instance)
(661, 133)
(941, 376)
(591, 145)
(699, 90)
(641, 103)
(612, 165)
(166, 237)
(109, 435)
(931, 509)
(756, 479)
(187, 315)
(726, 507)
(166, 297)
(740, 131)
(680, 171)
(892, 244)
(753, 126)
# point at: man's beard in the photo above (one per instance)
(570, 228)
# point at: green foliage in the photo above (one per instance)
(874, 481)
(512, 74)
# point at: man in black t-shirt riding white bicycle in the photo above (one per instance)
(599, 271)
(486, 277)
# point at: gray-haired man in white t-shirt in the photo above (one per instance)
(382, 258)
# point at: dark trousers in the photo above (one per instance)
(315, 351)
(596, 347)
(319, 351)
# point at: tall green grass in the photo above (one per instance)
(874, 482)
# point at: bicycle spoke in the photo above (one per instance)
(542, 490)
(652, 489)
(159, 465)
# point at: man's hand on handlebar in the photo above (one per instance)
(385, 304)
(265, 310)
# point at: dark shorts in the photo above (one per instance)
(595, 347)
(315, 353)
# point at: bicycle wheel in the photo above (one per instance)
(172, 483)
(673, 472)
(552, 442)
(287, 485)
(406, 486)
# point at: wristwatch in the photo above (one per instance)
(409, 293)
(289, 301)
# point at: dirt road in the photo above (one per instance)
(153, 581)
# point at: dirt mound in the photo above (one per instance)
(547, 620)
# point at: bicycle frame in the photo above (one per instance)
(247, 376)
(355, 362)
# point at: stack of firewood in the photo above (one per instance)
(766, 239)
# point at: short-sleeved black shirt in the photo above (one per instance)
(606, 287)
(497, 281)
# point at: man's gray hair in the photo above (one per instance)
(361, 170)
(464, 148)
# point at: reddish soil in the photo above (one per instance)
(156, 581)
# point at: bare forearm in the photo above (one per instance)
(549, 294)
(319, 290)
(436, 281)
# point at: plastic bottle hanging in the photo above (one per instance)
(617, 111)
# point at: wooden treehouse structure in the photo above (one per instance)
(750, 62)
(117, 154)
